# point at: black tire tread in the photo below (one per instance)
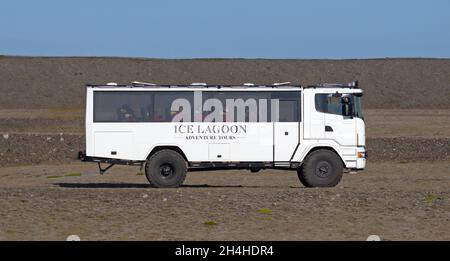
(308, 179)
(172, 156)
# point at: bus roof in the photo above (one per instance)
(250, 86)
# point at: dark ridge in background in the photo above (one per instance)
(31, 149)
(54, 82)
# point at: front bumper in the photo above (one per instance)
(361, 156)
(358, 160)
(360, 164)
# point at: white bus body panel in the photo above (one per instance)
(135, 142)
(263, 141)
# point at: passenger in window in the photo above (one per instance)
(158, 115)
(146, 113)
(126, 113)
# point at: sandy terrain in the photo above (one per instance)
(396, 201)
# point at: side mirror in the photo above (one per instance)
(347, 107)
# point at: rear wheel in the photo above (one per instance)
(321, 168)
(166, 169)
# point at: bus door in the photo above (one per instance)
(287, 128)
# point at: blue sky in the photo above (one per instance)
(227, 28)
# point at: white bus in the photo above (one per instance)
(318, 131)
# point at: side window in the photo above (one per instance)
(218, 106)
(114, 106)
(328, 103)
(234, 106)
(164, 111)
(289, 106)
(138, 106)
(251, 106)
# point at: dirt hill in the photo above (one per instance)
(37, 82)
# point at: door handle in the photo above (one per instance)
(328, 129)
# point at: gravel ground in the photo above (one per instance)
(42, 125)
(392, 123)
(29, 149)
(26, 149)
(396, 201)
(409, 149)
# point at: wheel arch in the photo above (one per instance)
(321, 147)
(167, 147)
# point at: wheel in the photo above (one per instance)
(166, 169)
(254, 170)
(300, 175)
(321, 168)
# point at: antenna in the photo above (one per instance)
(330, 85)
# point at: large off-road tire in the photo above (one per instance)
(321, 168)
(166, 169)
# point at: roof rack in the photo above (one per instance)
(281, 83)
(142, 83)
(352, 85)
(196, 85)
(199, 84)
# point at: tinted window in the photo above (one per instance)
(289, 104)
(167, 106)
(136, 106)
(257, 106)
(234, 106)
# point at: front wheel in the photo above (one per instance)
(166, 169)
(321, 168)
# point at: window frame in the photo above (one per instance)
(297, 98)
(152, 92)
(340, 102)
